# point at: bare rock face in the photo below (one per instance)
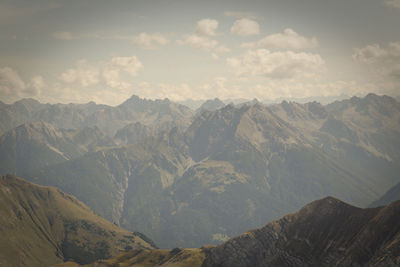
(326, 232)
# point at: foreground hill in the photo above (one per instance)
(326, 232)
(40, 226)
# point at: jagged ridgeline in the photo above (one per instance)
(188, 179)
(41, 226)
(327, 232)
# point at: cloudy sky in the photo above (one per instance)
(105, 51)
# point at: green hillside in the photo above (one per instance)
(41, 226)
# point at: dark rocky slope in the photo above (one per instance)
(326, 232)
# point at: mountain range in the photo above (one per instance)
(107, 118)
(187, 178)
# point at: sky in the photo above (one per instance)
(62, 51)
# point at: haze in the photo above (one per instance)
(106, 51)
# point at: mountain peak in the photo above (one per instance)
(29, 101)
(211, 105)
(326, 206)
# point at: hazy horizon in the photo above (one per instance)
(102, 51)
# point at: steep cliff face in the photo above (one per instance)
(326, 232)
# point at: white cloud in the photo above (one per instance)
(11, 84)
(131, 65)
(381, 61)
(110, 73)
(393, 3)
(222, 49)
(37, 84)
(201, 39)
(150, 41)
(289, 39)
(219, 50)
(197, 41)
(13, 87)
(276, 65)
(84, 74)
(11, 78)
(245, 27)
(112, 78)
(207, 27)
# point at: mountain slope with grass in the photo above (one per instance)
(41, 226)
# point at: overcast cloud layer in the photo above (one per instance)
(105, 51)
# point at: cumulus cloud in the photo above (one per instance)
(219, 50)
(87, 74)
(383, 61)
(392, 3)
(150, 41)
(37, 84)
(289, 40)
(13, 87)
(197, 41)
(112, 78)
(276, 65)
(84, 74)
(207, 27)
(11, 79)
(131, 65)
(201, 39)
(245, 27)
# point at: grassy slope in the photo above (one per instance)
(40, 226)
(158, 257)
